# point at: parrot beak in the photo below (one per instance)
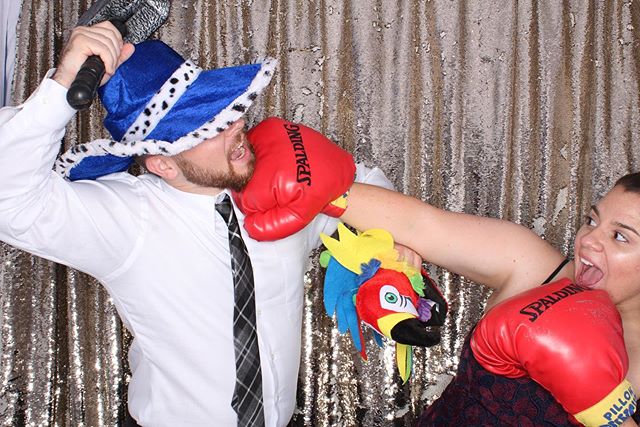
(412, 332)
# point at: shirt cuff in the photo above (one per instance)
(48, 105)
(372, 176)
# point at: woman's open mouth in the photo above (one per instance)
(588, 274)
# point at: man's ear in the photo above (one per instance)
(162, 166)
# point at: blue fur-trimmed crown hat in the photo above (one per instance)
(158, 103)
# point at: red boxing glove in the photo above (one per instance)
(568, 339)
(298, 173)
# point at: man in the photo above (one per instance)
(161, 243)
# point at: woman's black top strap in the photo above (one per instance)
(556, 271)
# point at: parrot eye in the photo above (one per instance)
(391, 298)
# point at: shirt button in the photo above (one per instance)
(273, 356)
(259, 312)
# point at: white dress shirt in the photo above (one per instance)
(163, 256)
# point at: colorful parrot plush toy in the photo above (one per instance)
(365, 282)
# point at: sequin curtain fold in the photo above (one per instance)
(524, 110)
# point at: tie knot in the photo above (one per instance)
(224, 208)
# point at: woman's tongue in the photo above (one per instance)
(589, 276)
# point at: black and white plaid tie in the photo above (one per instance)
(247, 396)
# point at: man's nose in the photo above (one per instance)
(238, 125)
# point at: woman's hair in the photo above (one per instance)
(630, 182)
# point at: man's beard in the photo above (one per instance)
(205, 178)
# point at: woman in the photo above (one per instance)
(514, 261)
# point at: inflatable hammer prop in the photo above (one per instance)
(136, 20)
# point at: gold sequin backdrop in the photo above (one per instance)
(523, 110)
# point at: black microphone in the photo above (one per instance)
(83, 89)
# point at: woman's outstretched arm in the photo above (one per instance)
(494, 252)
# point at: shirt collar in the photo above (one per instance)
(204, 205)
